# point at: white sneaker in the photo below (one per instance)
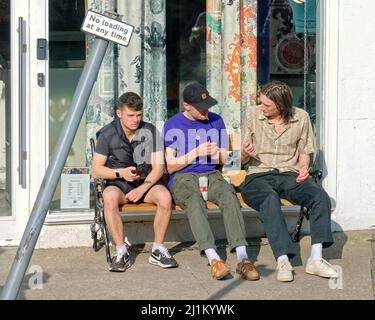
(321, 268)
(284, 271)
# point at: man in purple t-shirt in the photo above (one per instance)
(196, 144)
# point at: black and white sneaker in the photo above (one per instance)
(119, 262)
(162, 258)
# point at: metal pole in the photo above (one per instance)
(52, 175)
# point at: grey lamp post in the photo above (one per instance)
(52, 175)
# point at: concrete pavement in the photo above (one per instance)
(81, 273)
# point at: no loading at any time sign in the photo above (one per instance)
(107, 28)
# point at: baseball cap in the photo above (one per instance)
(198, 96)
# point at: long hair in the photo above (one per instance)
(281, 94)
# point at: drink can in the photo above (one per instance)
(203, 186)
(227, 179)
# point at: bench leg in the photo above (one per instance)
(99, 233)
(297, 229)
(99, 226)
(106, 240)
(97, 230)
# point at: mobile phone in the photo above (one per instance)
(141, 171)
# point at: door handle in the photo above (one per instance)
(22, 101)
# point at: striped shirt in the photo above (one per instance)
(275, 150)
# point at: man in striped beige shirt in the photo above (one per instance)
(278, 144)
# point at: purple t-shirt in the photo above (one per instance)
(183, 135)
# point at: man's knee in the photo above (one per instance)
(164, 200)
(269, 202)
(256, 190)
(227, 196)
(258, 198)
(193, 202)
(111, 200)
(322, 198)
(194, 197)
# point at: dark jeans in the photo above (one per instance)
(186, 193)
(262, 192)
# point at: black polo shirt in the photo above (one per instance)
(121, 153)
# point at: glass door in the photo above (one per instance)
(23, 74)
(5, 108)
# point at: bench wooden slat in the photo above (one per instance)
(236, 177)
(131, 207)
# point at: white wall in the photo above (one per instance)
(356, 115)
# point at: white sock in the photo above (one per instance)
(155, 246)
(241, 253)
(211, 254)
(121, 249)
(282, 258)
(316, 251)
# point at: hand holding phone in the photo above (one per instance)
(130, 174)
(140, 170)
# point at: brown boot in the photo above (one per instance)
(218, 269)
(247, 270)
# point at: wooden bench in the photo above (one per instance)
(131, 212)
(140, 212)
(145, 211)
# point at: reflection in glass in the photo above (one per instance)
(186, 48)
(67, 58)
(5, 108)
(287, 48)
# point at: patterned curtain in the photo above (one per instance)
(232, 58)
(140, 67)
(155, 64)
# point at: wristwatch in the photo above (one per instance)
(117, 172)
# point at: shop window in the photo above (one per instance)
(66, 41)
(286, 40)
(186, 48)
(66, 61)
(181, 47)
(287, 48)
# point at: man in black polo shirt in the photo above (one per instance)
(129, 155)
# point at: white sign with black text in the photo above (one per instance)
(75, 188)
(107, 28)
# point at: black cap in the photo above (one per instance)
(198, 96)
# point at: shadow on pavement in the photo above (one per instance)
(182, 246)
(31, 281)
(335, 251)
(135, 250)
(222, 292)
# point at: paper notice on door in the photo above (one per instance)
(75, 188)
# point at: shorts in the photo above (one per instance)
(126, 186)
(123, 185)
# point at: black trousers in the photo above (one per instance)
(262, 192)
